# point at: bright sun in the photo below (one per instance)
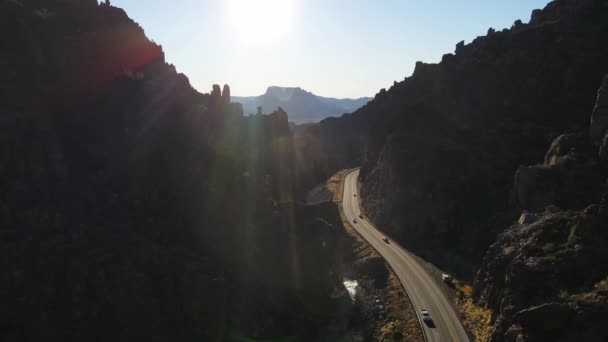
(260, 20)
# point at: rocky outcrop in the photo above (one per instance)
(546, 276)
(443, 143)
(599, 118)
(536, 271)
(216, 97)
(226, 95)
(570, 177)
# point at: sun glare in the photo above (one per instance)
(260, 20)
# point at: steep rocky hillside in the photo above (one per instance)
(337, 143)
(134, 208)
(437, 172)
(546, 277)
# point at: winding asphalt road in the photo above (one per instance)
(423, 291)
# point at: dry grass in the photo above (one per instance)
(336, 185)
(390, 330)
(402, 324)
(477, 320)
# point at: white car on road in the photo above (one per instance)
(426, 317)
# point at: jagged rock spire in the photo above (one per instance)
(216, 96)
(599, 117)
(226, 95)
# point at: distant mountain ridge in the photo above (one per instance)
(302, 106)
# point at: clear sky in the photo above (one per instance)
(335, 48)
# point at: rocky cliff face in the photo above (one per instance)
(546, 276)
(443, 143)
(133, 207)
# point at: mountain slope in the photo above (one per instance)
(302, 106)
(546, 276)
(438, 160)
(134, 208)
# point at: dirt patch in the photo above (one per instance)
(336, 185)
(331, 190)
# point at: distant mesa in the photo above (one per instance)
(302, 106)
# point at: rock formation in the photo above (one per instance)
(226, 95)
(570, 177)
(546, 280)
(216, 97)
(546, 277)
(135, 208)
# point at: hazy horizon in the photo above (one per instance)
(334, 49)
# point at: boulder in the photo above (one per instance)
(533, 187)
(544, 320)
(569, 147)
(570, 177)
(527, 217)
